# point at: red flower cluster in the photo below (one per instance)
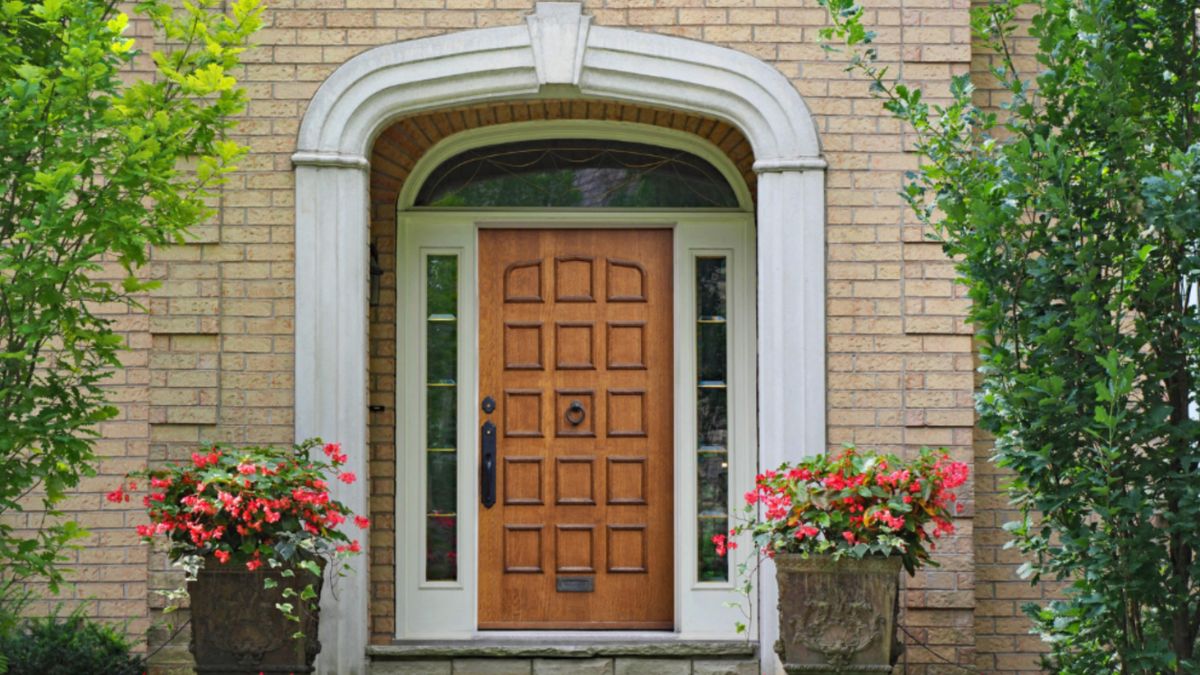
(853, 503)
(723, 544)
(249, 505)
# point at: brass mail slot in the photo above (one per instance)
(575, 584)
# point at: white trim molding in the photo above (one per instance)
(446, 610)
(557, 46)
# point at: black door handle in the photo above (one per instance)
(487, 467)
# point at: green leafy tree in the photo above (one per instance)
(1074, 216)
(93, 171)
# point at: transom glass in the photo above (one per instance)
(576, 173)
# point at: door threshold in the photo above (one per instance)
(565, 644)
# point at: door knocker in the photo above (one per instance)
(575, 413)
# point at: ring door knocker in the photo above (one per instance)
(575, 413)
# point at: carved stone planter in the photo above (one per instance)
(236, 628)
(837, 616)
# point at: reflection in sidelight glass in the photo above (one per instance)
(712, 414)
(441, 417)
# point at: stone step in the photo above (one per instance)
(534, 657)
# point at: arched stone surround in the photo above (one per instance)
(557, 48)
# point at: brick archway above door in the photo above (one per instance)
(405, 141)
(397, 150)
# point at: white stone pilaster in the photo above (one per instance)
(331, 370)
(791, 338)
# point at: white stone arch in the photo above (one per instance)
(560, 49)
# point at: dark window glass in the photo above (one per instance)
(576, 173)
(441, 548)
(712, 416)
(441, 423)
(712, 567)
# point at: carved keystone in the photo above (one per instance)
(558, 32)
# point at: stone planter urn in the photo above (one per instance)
(837, 616)
(236, 628)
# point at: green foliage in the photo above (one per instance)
(56, 645)
(93, 171)
(14, 600)
(1074, 216)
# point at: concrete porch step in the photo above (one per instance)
(582, 657)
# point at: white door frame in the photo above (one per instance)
(446, 610)
(557, 46)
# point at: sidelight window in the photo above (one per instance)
(712, 414)
(441, 417)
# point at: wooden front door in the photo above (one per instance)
(575, 350)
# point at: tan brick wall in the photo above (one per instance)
(218, 344)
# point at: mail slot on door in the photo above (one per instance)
(575, 584)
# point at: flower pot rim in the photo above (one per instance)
(824, 562)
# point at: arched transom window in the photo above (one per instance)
(581, 173)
